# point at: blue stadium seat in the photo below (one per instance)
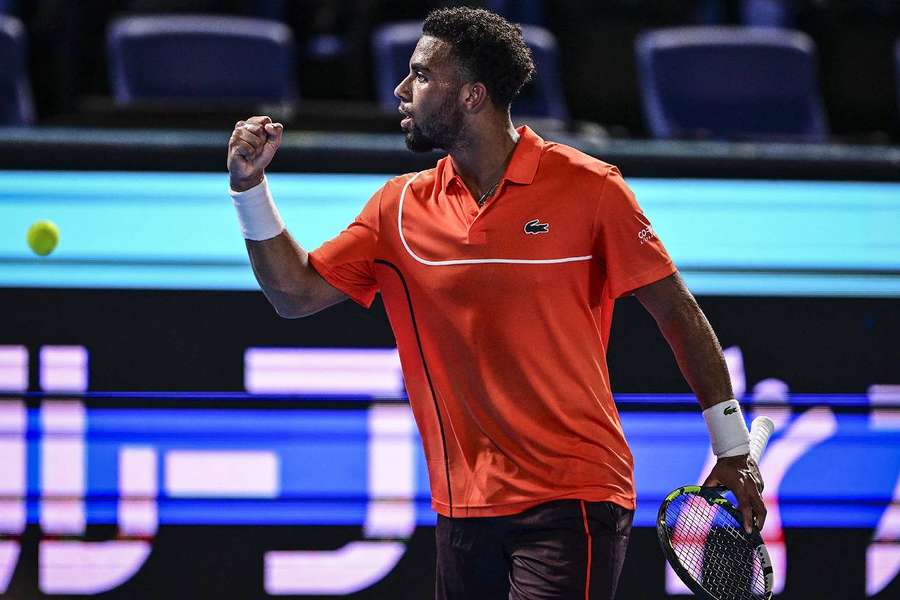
(16, 104)
(393, 44)
(767, 13)
(202, 58)
(730, 83)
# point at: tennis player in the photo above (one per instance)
(498, 269)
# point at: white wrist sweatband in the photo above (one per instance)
(257, 213)
(727, 430)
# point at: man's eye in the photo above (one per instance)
(420, 78)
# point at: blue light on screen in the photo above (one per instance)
(178, 230)
(324, 468)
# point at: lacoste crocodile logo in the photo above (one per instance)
(534, 227)
(729, 410)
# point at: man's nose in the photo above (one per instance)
(400, 92)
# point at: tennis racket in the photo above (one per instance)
(702, 537)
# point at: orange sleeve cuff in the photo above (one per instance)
(644, 278)
(362, 297)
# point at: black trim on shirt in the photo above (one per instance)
(437, 410)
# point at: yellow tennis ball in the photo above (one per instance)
(43, 237)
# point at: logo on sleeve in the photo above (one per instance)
(534, 227)
(646, 234)
(729, 410)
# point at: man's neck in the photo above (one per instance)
(481, 161)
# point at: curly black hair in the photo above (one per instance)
(488, 48)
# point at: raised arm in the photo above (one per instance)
(700, 359)
(280, 264)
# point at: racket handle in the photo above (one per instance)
(760, 430)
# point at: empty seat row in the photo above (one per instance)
(711, 82)
(725, 82)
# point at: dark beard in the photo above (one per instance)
(417, 141)
(444, 130)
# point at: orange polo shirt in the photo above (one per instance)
(502, 316)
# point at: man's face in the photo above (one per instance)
(429, 98)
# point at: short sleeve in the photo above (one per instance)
(628, 248)
(347, 260)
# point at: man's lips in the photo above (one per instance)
(407, 118)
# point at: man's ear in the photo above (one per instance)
(474, 96)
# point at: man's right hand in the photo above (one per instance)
(250, 150)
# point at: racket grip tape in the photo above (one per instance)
(760, 430)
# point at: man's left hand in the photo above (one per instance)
(740, 474)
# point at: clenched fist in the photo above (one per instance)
(250, 150)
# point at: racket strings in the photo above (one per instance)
(710, 544)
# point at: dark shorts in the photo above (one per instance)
(561, 550)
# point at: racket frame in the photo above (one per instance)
(760, 431)
(712, 496)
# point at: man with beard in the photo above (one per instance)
(498, 269)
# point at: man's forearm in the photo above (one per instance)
(691, 338)
(280, 264)
(282, 269)
(699, 356)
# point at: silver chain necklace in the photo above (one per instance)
(488, 193)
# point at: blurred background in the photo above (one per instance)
(164, 434)
(333, 56)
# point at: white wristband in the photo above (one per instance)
(257, 213)
(727, 430)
